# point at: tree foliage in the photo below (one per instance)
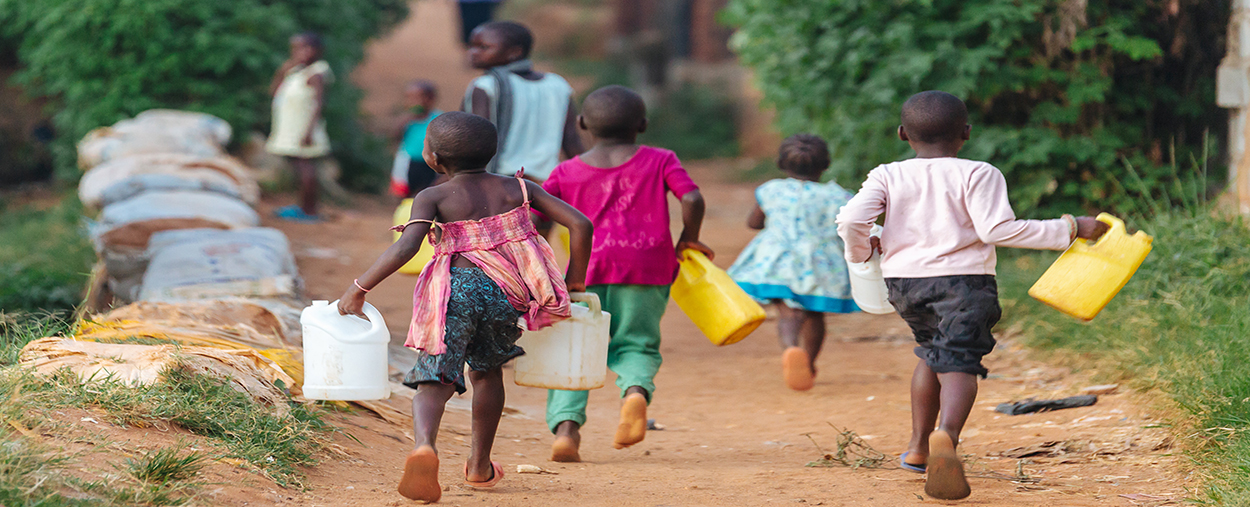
(1063, 94)
(105, 60)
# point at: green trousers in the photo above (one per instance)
(633, 353)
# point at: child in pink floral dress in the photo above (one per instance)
(490, 267)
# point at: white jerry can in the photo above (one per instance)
(868, 284)
(572, 354)
(345, 356)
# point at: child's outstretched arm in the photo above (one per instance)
(353, 299)
(581, 231)
(856, 219)
(692, 208)
(996, 224)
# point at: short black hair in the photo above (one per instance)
(515, 35)
(934, 117)
(313, 39)
(463, 140)
(804, 154)
(614, 112)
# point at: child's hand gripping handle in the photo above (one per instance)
(371, 315)
(590, 298)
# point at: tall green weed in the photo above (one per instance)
(1181, 325)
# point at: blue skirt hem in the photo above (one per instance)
(810, 303)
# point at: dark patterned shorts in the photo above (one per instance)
(481, 331)
(951, 317)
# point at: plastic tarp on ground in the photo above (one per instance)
(133, 221)
(122, 178)
(155, 131)
(199, 264)
(124, 229)
(248, 371)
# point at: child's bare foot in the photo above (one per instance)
(797, 370)
(568, 441)
(945, 480)
(420, 481)
(633, 426)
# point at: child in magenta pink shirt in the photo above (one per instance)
(623, 188)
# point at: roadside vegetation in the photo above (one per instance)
(1181, 326)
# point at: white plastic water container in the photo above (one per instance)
(868, 284)
(572, 354)
(345, 356)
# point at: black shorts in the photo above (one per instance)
(481, 331)
(951, 317)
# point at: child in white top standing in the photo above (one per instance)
(943, 217)
(796, 260)
(533, 111)
(299, 130)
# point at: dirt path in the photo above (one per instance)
(733, 432)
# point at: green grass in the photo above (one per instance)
(276, 445)
(1181, 326)
(45, 257)
(204, 405)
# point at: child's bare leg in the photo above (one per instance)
(796, 362)
(812, 335)
(306, 171)
(420, 479)
(789, 324)
(633, 426)
(946, 479)
(959, 392)
(925, 403)
(566, 448)
(488, 402)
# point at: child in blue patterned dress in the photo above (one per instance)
(796, 261)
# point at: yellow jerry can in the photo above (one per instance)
(423, 257)
(721, 309)
(1085, 278)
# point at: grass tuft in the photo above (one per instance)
(167, 465)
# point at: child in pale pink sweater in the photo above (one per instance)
(943, 217)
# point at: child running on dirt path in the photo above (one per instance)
(622, 186)
(410, 174)
(533, 111)
(490, 268)
(299, 131)
(943, 217)
(796, 260)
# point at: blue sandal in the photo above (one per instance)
(295, 214)
(902, 461)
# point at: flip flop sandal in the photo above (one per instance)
(293, 213)
(496, 468)
(902, 461)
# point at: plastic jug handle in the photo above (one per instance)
(375, 318)
(589, 298)
(1115, 225)
(697, 259)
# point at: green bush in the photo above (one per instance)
(105, 60)
(1058, 97)
(45, 257)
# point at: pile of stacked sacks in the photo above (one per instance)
(185, 273)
